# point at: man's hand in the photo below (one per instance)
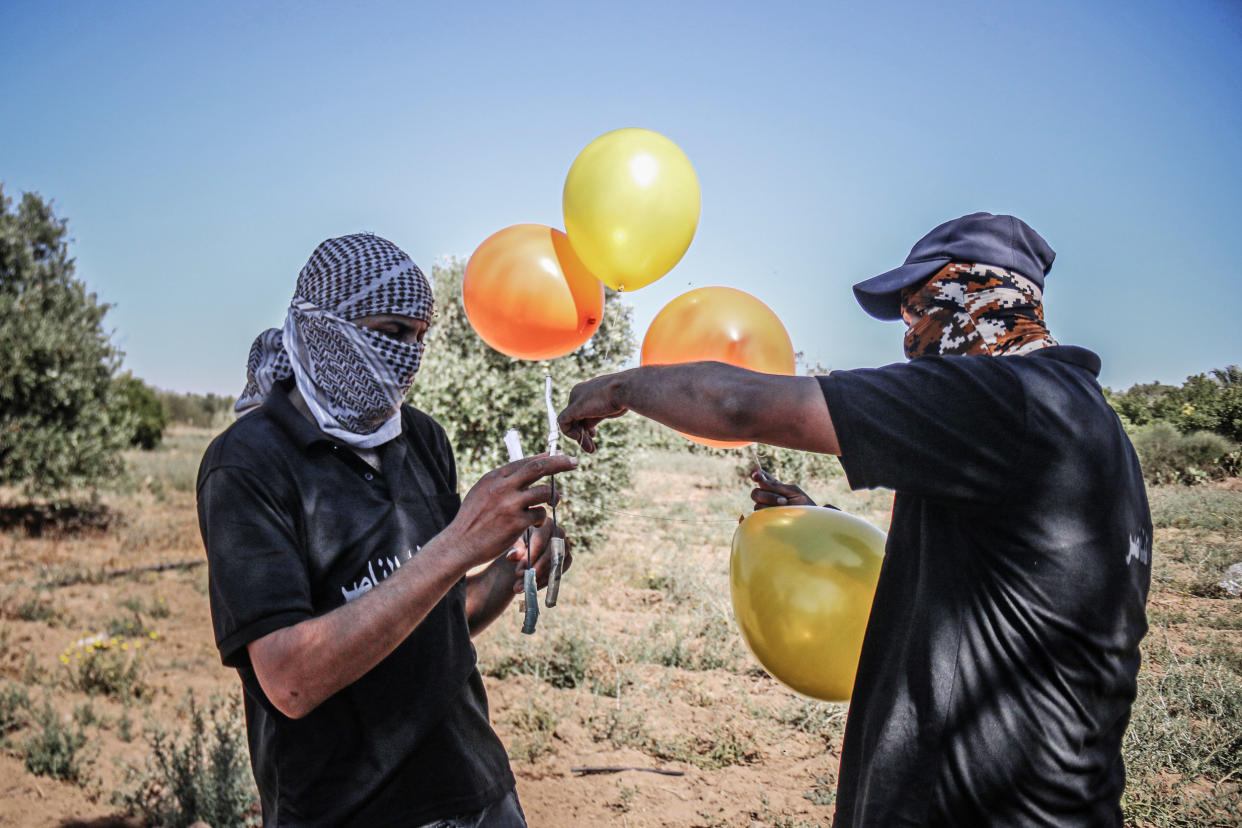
(772, 492)
(539, 560)
(502, 505)
(590, 403)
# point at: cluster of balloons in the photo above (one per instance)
(631, 205)
(802, 578)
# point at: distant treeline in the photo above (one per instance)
(149, 411)
(1188, 433)
(202, 410)
(1183, 434)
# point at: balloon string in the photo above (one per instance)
(661, 517)
(754, 453)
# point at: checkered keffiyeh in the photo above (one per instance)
(353, 378)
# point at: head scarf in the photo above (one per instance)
(975, 309)
(352, 378)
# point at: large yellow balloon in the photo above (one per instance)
(802, 579)
(631, 205)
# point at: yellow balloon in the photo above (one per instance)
(802, 579)
(631, 205)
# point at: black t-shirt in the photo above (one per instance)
(296, 525)
(999, 664)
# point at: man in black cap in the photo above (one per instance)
(1000, 659)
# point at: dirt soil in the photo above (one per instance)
(714, 728)
(640, 667)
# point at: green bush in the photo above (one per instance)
(562, 659)
(1212, 403)
(203, 774)
(62, 424)
(107, 669)
(1168, 456)
(1204, 402)
(533, 726)
(37, 607)
(57, 749)
(801, 468)
(703, 641)
(1145, 403)
(130, 625)
(477, 394)
(14, 707)
(147, 411)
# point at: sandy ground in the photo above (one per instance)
(744, 750)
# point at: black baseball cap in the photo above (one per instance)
(979, 238)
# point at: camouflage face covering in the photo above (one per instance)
(352, 378)
(975, 309)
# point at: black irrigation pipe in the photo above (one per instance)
(590, 769)
(98, 577)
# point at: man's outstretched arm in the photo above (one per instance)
(707, 399)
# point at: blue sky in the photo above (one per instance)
(201, 151)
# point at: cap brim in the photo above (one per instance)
(880, 295)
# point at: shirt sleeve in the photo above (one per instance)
(949, 428)
(256, 573)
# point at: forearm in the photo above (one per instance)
(724, 402)
(708, 399)
(488, 594)
(301, 666)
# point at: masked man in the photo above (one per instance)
(338, 552)
(999, 663)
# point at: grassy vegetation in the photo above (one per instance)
(669, 564)
(58, 747)
(201, 773)
(640, 663)
(171, 468)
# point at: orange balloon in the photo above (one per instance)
(719, 324)
(528, 296)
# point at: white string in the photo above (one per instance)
(661, 517)
(554, 431)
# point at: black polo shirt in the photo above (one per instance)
(1000, 658)
(296, 525)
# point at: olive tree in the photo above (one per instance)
(61, 424)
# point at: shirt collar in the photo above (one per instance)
(278, 407)
(1072, 354)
